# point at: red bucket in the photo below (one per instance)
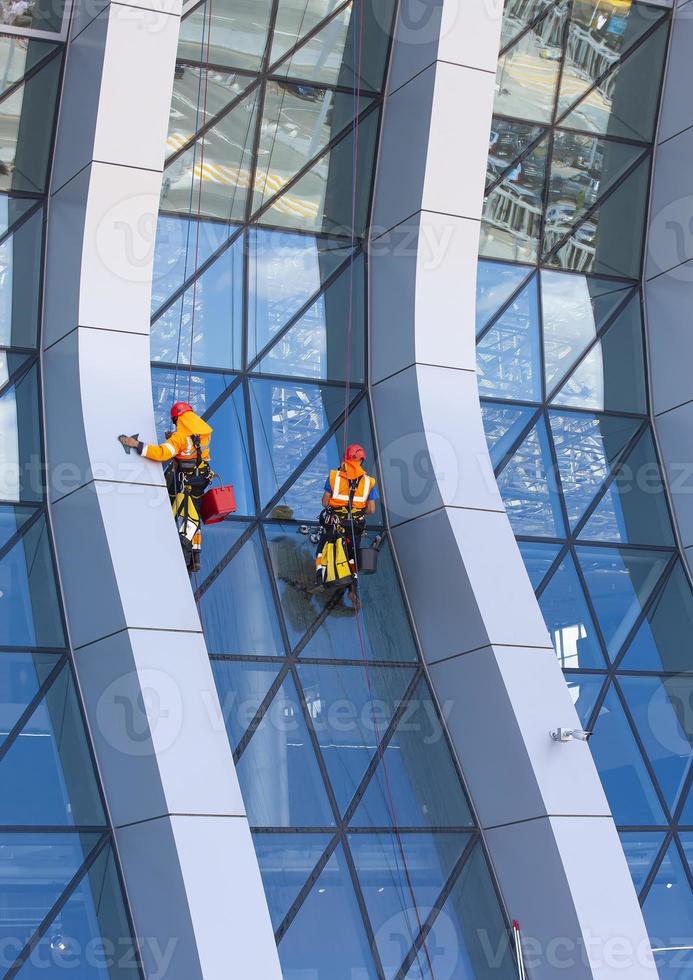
(216, 504)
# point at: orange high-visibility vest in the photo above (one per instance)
(339, 486)
(180, 443)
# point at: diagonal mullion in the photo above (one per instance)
(517, 442)
(31, 707)
(656, 865)
(284, 666)
(534, 22)
(214, 120)
(307, 887)
(532, 271)
(520, 158)
(28, 75)
(12, 230)
(19, 534)
(228, 557)
(276, 598)
(641, 748)
(303, 41)
(646, 609)
(17, 375)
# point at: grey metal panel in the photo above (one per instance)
(675, 432)
(161, 746)
(489, 655)
(670, 241)
(677, 108)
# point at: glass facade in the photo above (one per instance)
(562, 377)
(372, 862)
(61, 904)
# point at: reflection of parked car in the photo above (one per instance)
(586, 234)
(578, 187)
(560, 214)
(179, 70)
(551, 54)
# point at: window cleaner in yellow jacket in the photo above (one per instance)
(188, 476)
(349, 495)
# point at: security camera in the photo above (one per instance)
(568, 734)
(303, 529)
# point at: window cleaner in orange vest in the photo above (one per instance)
(188, 476)
(349, 495)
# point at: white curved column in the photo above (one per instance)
(183, 838)
(541, 805)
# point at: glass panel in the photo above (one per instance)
(87, 929)
(198, 95)
(686, 817)
(278, 772)
(584, 690)
(35, 869)
(47, 773)
(466, 929)
(168, 386)
(503, 424)
(21, 476)
(641, 849)
(528, 73)
(21, 675)
(183, 244)
(611, 377)
(668, 911)
(29, 609)
(495, 284)
(20, 278)
(285, 271)
(528, 487)
(12, 519)
(236, 36)
(295, 19)
(399, 896)
(416, 784)
(511, 220)
(620, 582)
(286, 862)
(661, 710)
(574, 309)
(351, 708)
(237, 610)
(663, 641)
(328, 340)
(27, 117)
(288, 420)
(634, 509)
(212, 177)
(298, 122)
(18, 55)
(211, 309)
(519, 14)
(586, 447)
(509, 355)
(231, 450)
(331, 197)
(312, 947)
(627, 785)
(508, 140)
(242, 687)
(568, 619)
(538, 558)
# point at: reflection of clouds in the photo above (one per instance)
(9, 447)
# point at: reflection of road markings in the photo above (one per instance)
(265, 184)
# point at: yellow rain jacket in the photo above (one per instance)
(180, 443)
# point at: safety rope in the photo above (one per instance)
(381, 751)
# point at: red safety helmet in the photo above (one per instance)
(355, 452)
(180, 408)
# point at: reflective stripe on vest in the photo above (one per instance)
(189, 452)
(341, 490)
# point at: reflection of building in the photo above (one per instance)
(239, 769)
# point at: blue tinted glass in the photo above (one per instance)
(503, 424)
(662, 641)
(466, 928)
(286, 270)
(237, 610)
(538, 559)
(641, 849)
(278, 772)
(686, 818)
(29, 610)
(528, 487)
(21, 675)
(495, 283)
(416, 783)
(179, 242)
(241, 686)
(35, 869)
(625, 779)
(91, 924)
(634, 509)
(47, 774)
(313, 947)
(204, 326)
(230, 450)
(687, 844)
(620, 581)
(20, 293)
(508, 356)
(586, 448)
(584, 691)
(351, 708)
(668, 911)
(288, 420)
(200, 389)
(20, 449)
(568, 619)
(219, 539)
(661, 710)
(383, 631)
(286, 862)
(400, 896)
